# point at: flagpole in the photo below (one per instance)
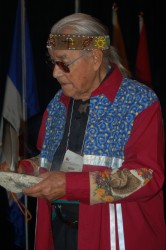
(24, 104)
(77, 6)
(140, 16)
(23, 60)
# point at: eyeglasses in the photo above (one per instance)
(63, 66)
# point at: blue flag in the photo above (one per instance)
(16, 70)
(20, 71)
(21, 98)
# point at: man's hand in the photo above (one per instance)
(52, 187)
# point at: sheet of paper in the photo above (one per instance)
(72, 162)
(15, 182)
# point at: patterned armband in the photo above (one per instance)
(35, 160)
(34, 163)
(112, 185)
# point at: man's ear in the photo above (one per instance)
(97, 58)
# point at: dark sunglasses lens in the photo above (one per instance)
(63, 66)
(51, 64)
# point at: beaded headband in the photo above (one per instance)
(77, 42)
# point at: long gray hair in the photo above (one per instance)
(84, 24)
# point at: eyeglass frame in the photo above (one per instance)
(62, 65)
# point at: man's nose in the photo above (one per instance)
(57, 72)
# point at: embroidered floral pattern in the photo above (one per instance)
(103, 187)
(108, 186)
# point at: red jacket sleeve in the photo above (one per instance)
(144, 149)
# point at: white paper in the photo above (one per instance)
(15, 182)
(72, 162)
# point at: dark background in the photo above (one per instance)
(41, 16)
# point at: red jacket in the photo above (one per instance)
(142, 212)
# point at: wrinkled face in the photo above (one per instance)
(83, 77)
